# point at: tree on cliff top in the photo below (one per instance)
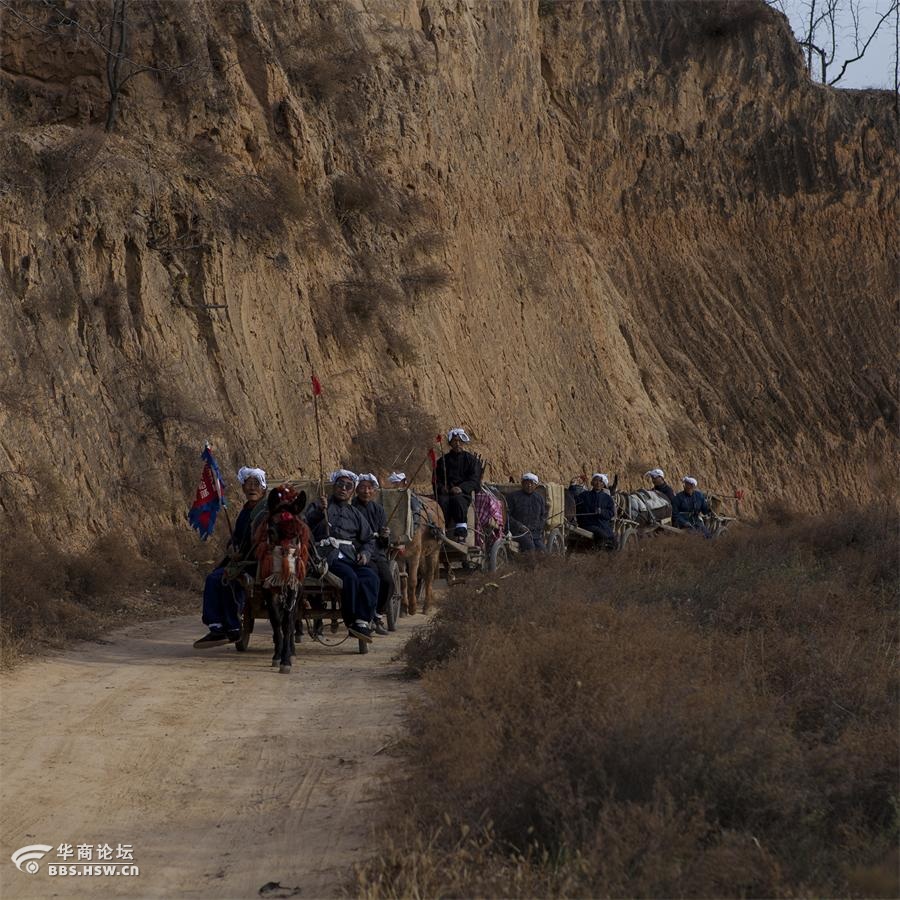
(840, 33)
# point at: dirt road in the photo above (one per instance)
(223, 775)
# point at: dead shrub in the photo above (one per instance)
(207, 158)
(425, 280)
(64, 165)
(362, 299)
(401, 348)
(726, 18)
(260, 208)
(172, 558)
(108, 567)
(400, 426)
(657, 723)
(354, 197)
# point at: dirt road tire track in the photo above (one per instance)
(223, 774)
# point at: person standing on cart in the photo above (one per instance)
(343, 536)
(457, 476)
(596, 512)
(374, 514)
(527, 512)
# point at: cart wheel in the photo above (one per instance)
(247, 622)
(556, 546)
(396, 599)
(499, 555)
(626, 539)
(363, 646)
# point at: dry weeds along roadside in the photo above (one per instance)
(50, 598)
(692, 720)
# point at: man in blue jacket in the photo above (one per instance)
(223, 591)
(688, 506)
(595, 512)
(342, 534)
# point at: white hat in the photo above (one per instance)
(530, 476)
(457, 432)
(655, 473)
(397, 477)
(688, 480)
(368, 477)
(602, 477)
(245, 472)
(344, 473)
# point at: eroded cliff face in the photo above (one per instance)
(598, 235)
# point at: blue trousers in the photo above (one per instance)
(222, 603)
(534, 540)
(359, 595)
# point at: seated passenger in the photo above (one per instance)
(658, 477)
(375, 515)
(456, 476)
(344, 538)
(595, 512)
(398, 480)
(223, 592)
(527, 511)
(688, 506)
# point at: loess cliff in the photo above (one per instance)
(598, 235)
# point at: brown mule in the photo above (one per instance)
(422, 554)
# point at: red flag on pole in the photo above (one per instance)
(317, 386)
(433, 457)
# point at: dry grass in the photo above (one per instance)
(50, 597)
(691, 719)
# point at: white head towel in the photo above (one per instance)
(688, 480)
(457, 432)
(655, 473)
(368, 477)
(602, 477)
(530, 476)
(245, 472)
(344, 473)
(397, 477)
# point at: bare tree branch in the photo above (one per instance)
(892, 8)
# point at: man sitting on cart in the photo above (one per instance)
(658, 477)
(223, 592)
(456, 476)
(344, 538)
(375, 515)
(527, 511)
(689, 504)
(595, 512)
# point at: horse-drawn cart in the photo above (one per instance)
(488, 544)
(319, 616)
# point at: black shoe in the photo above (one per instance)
(360, 630)
(380, 627)
(234, 636)
(460, 535)
(213, 639)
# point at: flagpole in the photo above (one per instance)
(316, 390)
(222, 502)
